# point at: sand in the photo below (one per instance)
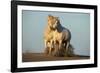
(36, 57)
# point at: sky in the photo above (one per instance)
(34, 23)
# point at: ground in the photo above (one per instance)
(33, 57)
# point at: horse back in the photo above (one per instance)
(66, 33)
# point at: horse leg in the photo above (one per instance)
(51, 46)
(46, 47)
(60, 48)
(60, 44)
(45, 43)
(67, 47)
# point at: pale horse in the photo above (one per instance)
(61, 35)
(48, 34)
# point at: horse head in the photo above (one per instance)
(53, 22)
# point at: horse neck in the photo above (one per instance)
(59, 28)
(49, 29)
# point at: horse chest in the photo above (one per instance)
(49, 35)
(57, 35)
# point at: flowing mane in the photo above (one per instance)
(59, 27)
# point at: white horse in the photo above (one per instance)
(56, 36)
(48, 35)
(61, 35)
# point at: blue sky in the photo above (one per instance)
(34, 22)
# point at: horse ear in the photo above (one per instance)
(49, 15)
(57, 17)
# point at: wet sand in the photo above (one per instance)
(33, 57)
